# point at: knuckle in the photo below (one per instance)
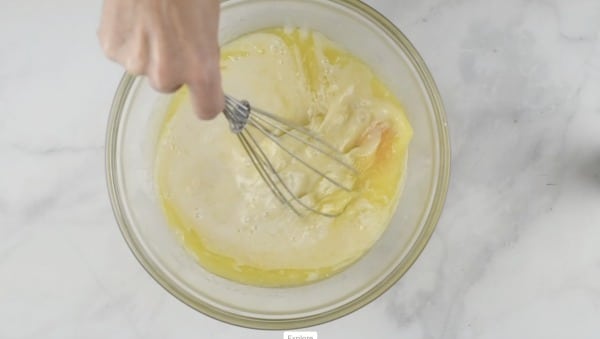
(136, 65)
(165, 87)
(163, 79)
(110, 43)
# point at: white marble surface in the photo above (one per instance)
(516, 253)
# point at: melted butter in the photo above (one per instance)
(215, 200)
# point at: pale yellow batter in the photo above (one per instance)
(216, 201)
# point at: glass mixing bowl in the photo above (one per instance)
(133, 127)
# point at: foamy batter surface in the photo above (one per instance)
(227, 216)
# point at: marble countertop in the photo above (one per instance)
(516, 253)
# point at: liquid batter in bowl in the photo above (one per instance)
(218, 204)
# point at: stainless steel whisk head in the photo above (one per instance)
(249, 122)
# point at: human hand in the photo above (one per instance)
(173, 42)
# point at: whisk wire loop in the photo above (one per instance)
(243, 118)
(304, 135)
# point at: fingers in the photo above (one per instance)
(138, 57)
(166, 70)
(206, 92)
(115, 31)
(135, 54)
(171, 42)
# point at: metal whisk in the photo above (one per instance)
(249, 122)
